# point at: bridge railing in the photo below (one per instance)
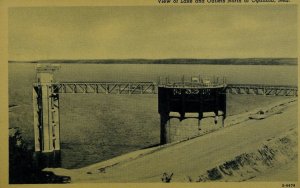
(191, 85)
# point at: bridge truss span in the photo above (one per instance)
(106, 87)
(263, 89)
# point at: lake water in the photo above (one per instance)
(98, 127)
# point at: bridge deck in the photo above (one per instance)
(151, 88)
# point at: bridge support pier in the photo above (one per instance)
(164, 134)
(193, 99)
(46, 117)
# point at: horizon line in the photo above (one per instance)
(158, 59)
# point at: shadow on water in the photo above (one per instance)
(151, 146)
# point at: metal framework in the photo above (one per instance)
(259, 89)
(106, 87)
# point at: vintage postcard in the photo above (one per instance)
(173, 92)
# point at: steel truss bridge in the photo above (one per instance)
(151, 88)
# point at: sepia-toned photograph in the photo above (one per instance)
(153, 94)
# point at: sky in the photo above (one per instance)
(152, 32)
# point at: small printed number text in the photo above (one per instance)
(288, 185)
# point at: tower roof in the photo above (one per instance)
(47, 68)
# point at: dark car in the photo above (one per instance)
(50, 177)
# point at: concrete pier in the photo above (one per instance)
(46, 114)
(189, 97)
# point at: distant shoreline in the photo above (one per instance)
(232, 61)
